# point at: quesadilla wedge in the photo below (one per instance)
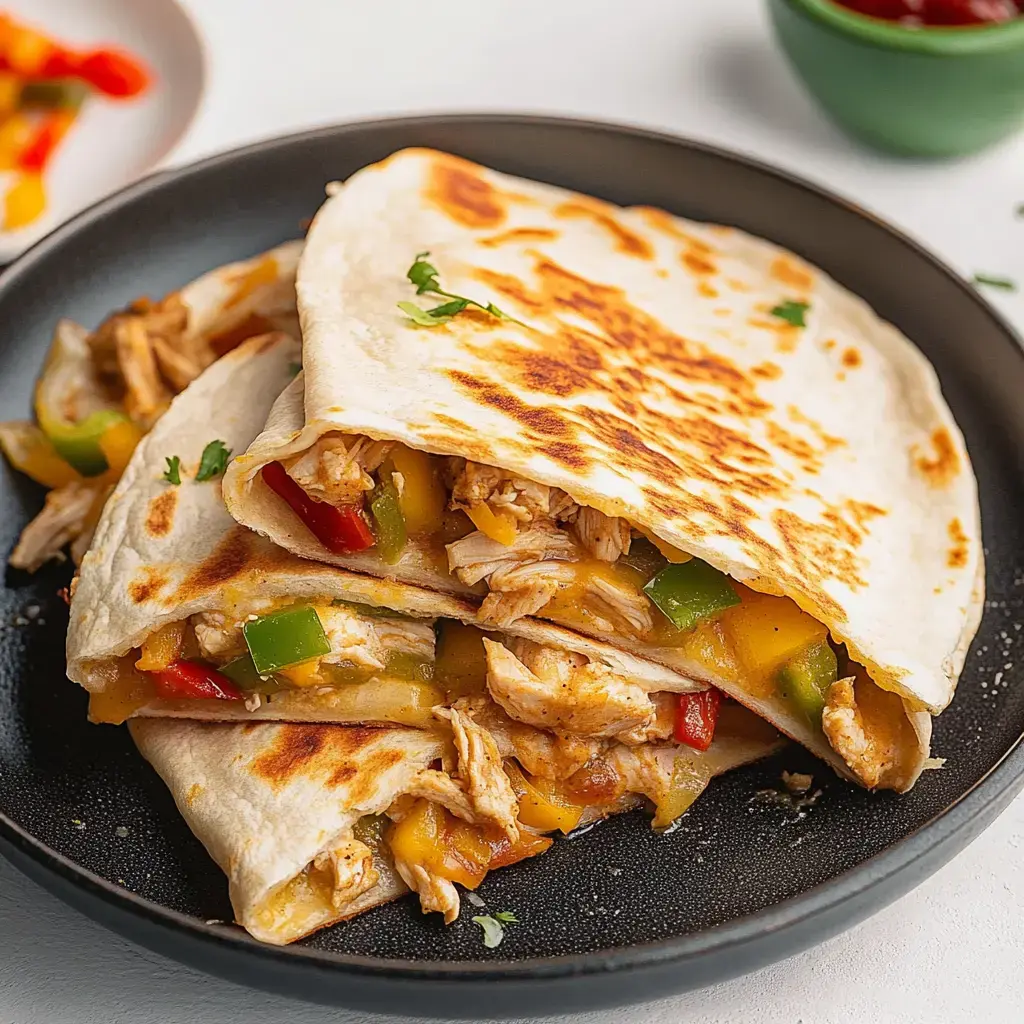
(100, 391)
(180, 612)
(671, 436)
(314, 824)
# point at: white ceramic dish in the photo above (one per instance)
(114, 142)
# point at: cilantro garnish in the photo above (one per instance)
(493, 927)
(213, 461)
(1003, 283)
(424, 276)
(173, 472)
(792, 312)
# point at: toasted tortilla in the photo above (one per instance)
(652, 371)
(163, 553)
(266, 800)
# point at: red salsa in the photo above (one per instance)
(938, 12)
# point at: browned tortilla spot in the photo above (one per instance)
(787, 271)
(626, 241)
(229, 559)
(957, 557)
(146, 587)
(942, 467)
(459, 189)
(851, 358)
(160, 517)
(520, 235)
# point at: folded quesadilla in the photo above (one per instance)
(314, 824)
(180, 612)
(100, 391)
(670, 436)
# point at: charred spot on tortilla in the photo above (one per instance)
(941, 467)
(230, 558)
(603, 215)
(510, 287)
(195, 791)
(147, 586)
(160, 515)
(543, 421)
(519, 235)
(767, 371)
(697, 263)
(957, 557)
(851, 358)
(295, 746)
(568, 453)
(707, 290)
(822, 550)
(459, 190)
(788, 272)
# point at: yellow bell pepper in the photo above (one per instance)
(445, 846)
(159, 649)
(500, 527)
(689, 779)
(305, 673)
(117, 443)
(675, 555)
(423, 497)
(24, 202)
(10, 93)
(542, 805)
(765, 630)
(27, 50)
(30, 452)
(15, 133)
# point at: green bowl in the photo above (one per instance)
(930, 92)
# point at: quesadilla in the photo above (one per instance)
(670, 436)
(178, 611)
(100, 391)
(314, 824)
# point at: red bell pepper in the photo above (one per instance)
(696, 718)
(43, 144)
(341, 530)
(113, 73)
(191, 679)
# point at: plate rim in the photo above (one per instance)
(946, 832)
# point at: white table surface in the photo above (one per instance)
(952, 950)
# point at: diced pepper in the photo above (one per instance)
(696, 718)
(387, 513)
(690, 778)
(455, 525)
(113, 73)
(30, 452)
(305, 673)
(41, 147)
(428, 835)
(27, 51)
(79, 443)
(500, 527)
(766, 630)
(190, 679)
(15, 133)
(24, 202)
(285, 638)
(10, 93)
(542, 804)
(384, 700)
(804, 680)
(117, 443)
(242, 672)
(161, 647)
(341, 530)
(460, 664)
(422, 497)
(403, 665)
(504, 852)
(687, 593)
(49, 92)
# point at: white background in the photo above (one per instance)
(952, 951)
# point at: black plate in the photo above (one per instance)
(617, 914)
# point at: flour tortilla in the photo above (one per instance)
(162, 553)
(265, 800)
(651, 380)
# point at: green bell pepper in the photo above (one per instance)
(67, 93)
(242, 672)
(645, 558)
(691, 591)
(79, 443)
(804, 680)
(387, 514)
(285, 638)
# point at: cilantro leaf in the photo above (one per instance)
(213, 461)
(493, 931)
(424, 276)
(1003, 283)
(507, 917)
(173, 472)
(792, 312)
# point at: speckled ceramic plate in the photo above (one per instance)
(617, 914)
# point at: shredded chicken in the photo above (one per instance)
(559, 690)
(604, 537)
(437, 895)
(843, 724)
(220, 639)
(477, 556)
(503, 491)
(646, 770)
(618, 609)
(440, 788)
(410, 636)
(520, 590)
(63, 518)
(333, 472)
(561, 507)
(146, 396)
(353, 637)
(179, 368)
(352, 870)
(660, 728)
